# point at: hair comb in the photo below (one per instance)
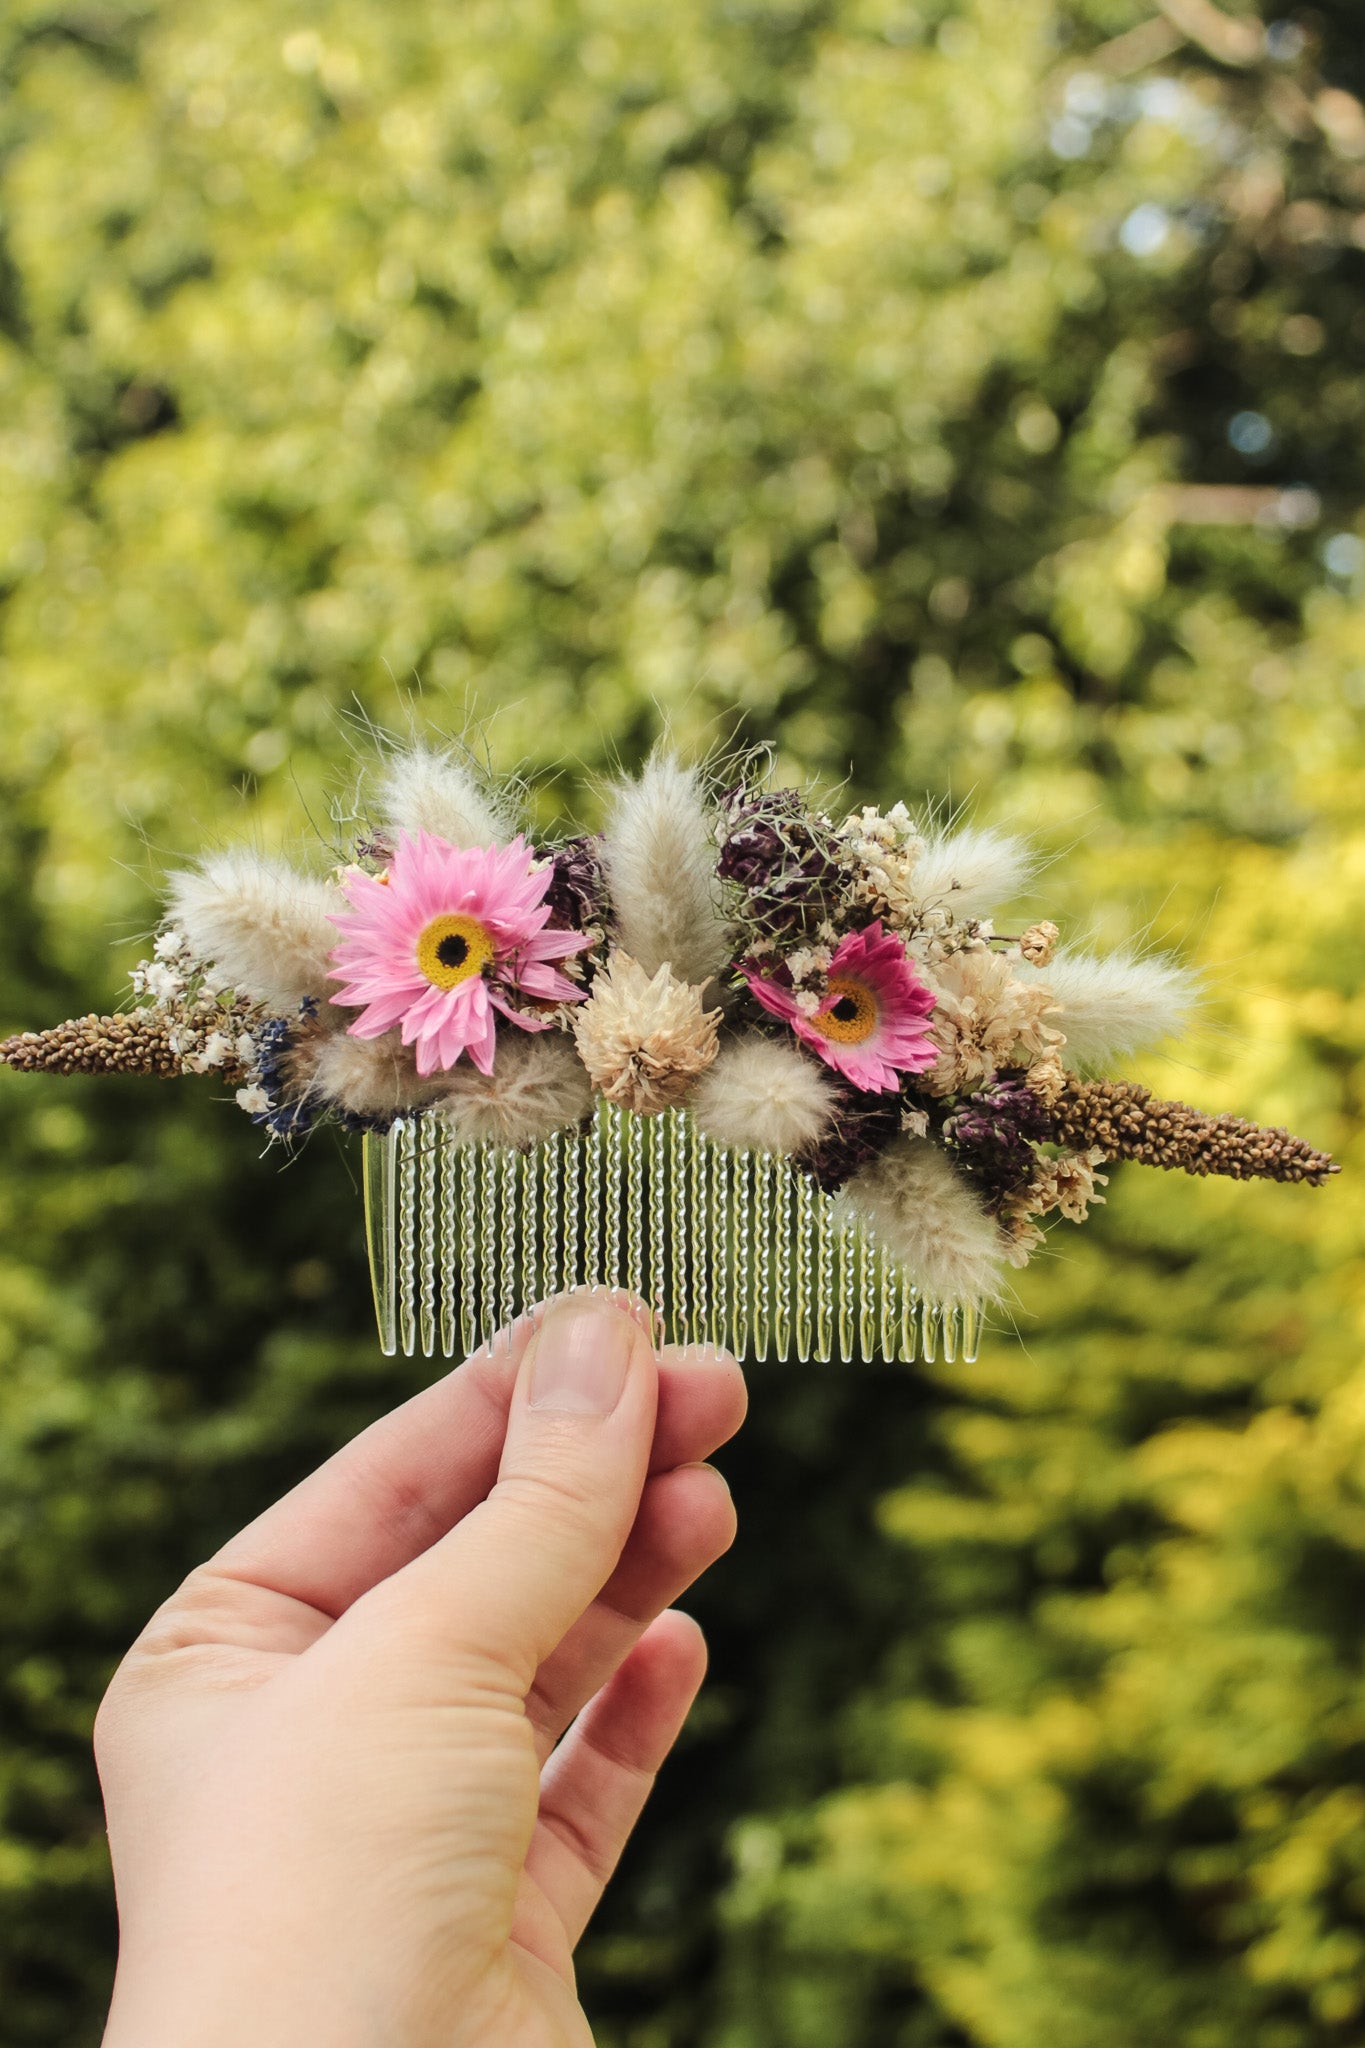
(775, 1072)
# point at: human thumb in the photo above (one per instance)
(511, 1579)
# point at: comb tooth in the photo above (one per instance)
(407, 1249)
(507, 1255)
(761, 1249)
(611, 1273)
(548, 1207)
(888, 1311)
(867, 1298)
(735, 1226)
(700, 1264)
(469, 1246)
(949, 1328)
(381, 1223)
(448, 1159)
(930, 1316)
(633, 1138)
(678, 1155)
(488, 1239)
(909, 1344)
(718, 1278)
(804, 1220)
(824, 1277)
(425, 1136)
(529, 1167)
(848, 1287)
(782, 1287)
(567, 1154)
(592, 1202)
(658, 1234)
(971, 1332)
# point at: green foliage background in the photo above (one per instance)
(865, 375)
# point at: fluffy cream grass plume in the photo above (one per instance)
(924, 1213)
(1115, 1003)
(537, 1086)
(763, 1096)
(424, 789)
(264, 925)
(659, 852)
(364, 1076)
(971, 872)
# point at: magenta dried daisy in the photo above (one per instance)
(870, 1024)
(442, 940)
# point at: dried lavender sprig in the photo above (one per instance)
(135, 1042)
(994, 1132)
(1126, 1121)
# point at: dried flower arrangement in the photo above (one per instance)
(831, 992)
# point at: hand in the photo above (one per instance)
(337, 1812)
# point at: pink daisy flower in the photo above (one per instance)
(869, 1026)
(438, 943)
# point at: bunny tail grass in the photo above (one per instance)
(659, 853)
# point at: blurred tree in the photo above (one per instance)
(968, 397)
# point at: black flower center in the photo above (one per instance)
(453, 950)
(846, 1010)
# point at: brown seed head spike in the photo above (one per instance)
(1126, 1121)
(134, 1043)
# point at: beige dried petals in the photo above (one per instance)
(1047, 1076)
(644, 1039)
(1038, 943)
(987, 1018)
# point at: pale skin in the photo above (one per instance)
(368, 1770)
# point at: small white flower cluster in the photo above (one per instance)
(209, 1023)
(883, 848)
(809, 970)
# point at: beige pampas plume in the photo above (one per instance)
(537, 1086)
(1115, 1003)
(763, 1096)
(922, 1210)
(971, 872)
(370, 1077)
(659, 852)
(423, 789)
(264, 925)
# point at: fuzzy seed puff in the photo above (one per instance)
(762, 1095)
(659, 853)
(537, 1086)
(426, 790)
(267, 928)
(1115, 1004)
(924, 1213)
(365, 1077)
(644, 1039)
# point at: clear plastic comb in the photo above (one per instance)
(735, 1248)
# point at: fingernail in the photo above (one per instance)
(579, 1358)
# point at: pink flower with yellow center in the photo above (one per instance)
(869, 1026)
(440, 941)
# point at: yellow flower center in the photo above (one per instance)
(452, 948)
(851, 1017)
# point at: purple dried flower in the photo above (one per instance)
(994, 1133)
(577, 895)
(784, 858)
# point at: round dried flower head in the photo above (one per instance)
(1039, 942)
(644, 1039)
